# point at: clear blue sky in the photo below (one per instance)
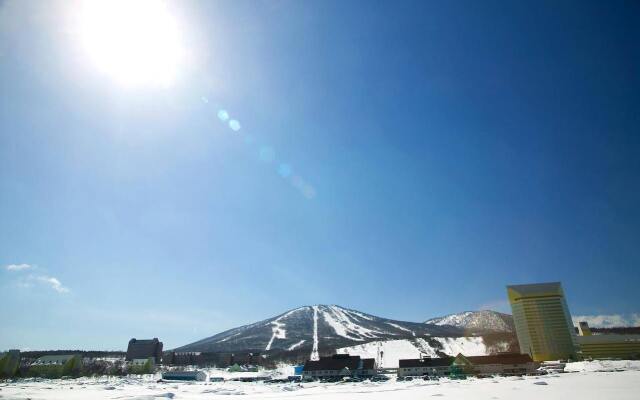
(406, 159)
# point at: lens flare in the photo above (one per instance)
(133, 42)
(234, 125)
(223, 115)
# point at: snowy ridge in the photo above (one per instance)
(477, 321)
(318, 330)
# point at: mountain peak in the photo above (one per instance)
(314, 330)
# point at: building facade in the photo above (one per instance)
(338, 366)
(138, 349)
(543, 322)
(498, 364)
(425, 367)
(583, 329)
(607, 345)
(217, 359)
(624, 347)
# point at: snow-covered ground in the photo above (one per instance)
(387, 353)
(603, 366)
(584, 385)
(588, 385)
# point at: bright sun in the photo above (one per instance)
(135, 42)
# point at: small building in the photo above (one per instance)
(367, 367)
(139, 349)
(56, 365)
(338, 366)
(624, 347)
(9, 363)
(184, 376)
(608, 345)
(297, 370)
(498, 364)
(181, 357)
(425, 367)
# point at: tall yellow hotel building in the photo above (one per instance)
(543, 322)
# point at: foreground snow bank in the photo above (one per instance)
(603, 366)
(623, 385)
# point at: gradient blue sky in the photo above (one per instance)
(406, 159)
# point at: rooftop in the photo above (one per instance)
(338, 362)
(548, 289)
(426, 362)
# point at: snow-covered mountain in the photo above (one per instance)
(315, 330)
(388, 353)
(476, 321)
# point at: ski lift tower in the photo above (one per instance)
(379, 357)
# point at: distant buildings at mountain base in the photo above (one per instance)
(499, 364)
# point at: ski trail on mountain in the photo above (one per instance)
(314, 352)
(402, 328)
(296, 345)
(278, 328)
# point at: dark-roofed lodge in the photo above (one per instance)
(339, 366)
(140, 349)
(498, 364)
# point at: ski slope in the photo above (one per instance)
(387, 353)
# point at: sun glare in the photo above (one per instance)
(135, 42)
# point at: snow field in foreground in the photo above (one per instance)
(603, 366)
(623, 385)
